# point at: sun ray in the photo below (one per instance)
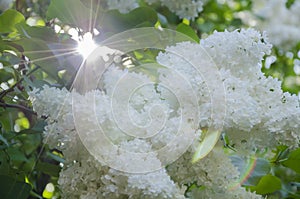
(74, 52)
(91, 17)
(54, 56)
(96, 14)
(49, 51)
(32, 61)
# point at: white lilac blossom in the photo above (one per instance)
(263, 90)
(215, 172)
(259, 114)
(250, 96)
(83, 176)
(124, 6)
(281, 23)
(151, 1)
(188, 9)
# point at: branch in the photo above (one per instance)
(11, 89)
(23, 108)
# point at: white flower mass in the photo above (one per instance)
(281, 23)
(188, 9)
(258, 114)
(124, 6)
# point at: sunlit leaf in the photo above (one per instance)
(267, 184)
(206, 145)
(23, 123)
(113, 21)
(48, 191)
(72, 12)
(186, 29)
(40, 54)
(37, 32)
(293, 160)
(9, 19)
(35, 21)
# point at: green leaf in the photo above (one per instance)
(5, 75)
(281, 154)
(289, 3)
(11, 188)
(8, 59)
(163, 20)
(206, 27)
(38, 32)
(188, 30)
(9, 19)
(3, 45)
(47, 168)
(39, 53)
(39, 126)
(293, 160)
(9, 45)
(113, 21)
(31, 143)
(149, 69)
(72, 12)
(4, 163)
(28, 166)
(3, 139)
(17, 157)
(7, 118)
(267, 184)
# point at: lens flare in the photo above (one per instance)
(246, 174)
(86, 45)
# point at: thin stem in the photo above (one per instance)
(17, 106)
